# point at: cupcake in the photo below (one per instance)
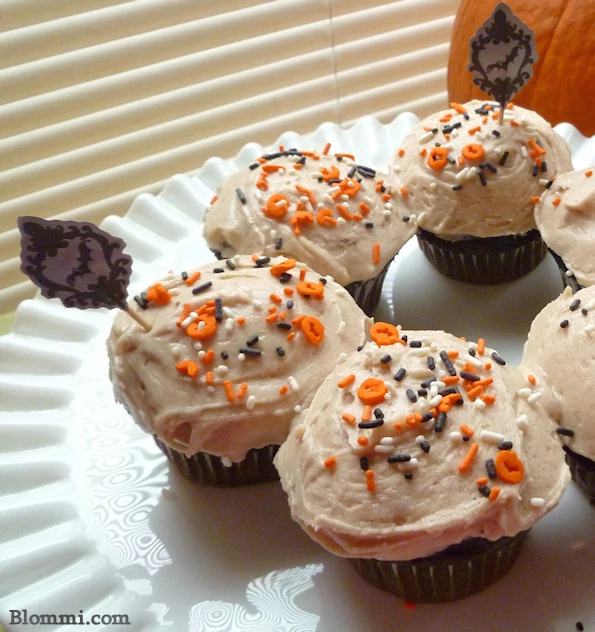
(234, 351)
(424, 460)
(470, 185)
(560, 353)
(565, 217)
(335, 215)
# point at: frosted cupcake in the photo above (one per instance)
(235, 350)
(560, 353)
(425, 459)
(337, 216)
(471, 183)
(565, 216)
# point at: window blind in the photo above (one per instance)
(101, 100)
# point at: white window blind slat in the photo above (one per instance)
(104, 99)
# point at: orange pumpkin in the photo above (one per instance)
(563, 85)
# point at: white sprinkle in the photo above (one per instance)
(368, 200)
(226, 461)
(435, 401)
(433, 186)
(184, 445)
(422, 405)
(189, 320)
(420, 351)
(471, 173)
(341, 220)
(426, 137)
(342, 357)
(397, 169)
(419, 439)
(241, 357)
(293, 384)
(524, 152)
(524, 392)
(590, 304)
(454, 133)
(236, 259)
(292, 172)
(543, 181)
(174, 292)
(420, 218)
(473, 361)
(250, 402)
(479, 404)
(491, 437)
(456, 437)
(522, 422)
(384, 449)
(329, 278)
(387, 440)
(222, 369)
(387, 397)
(210, 389)
(345, 198)
(197, 345)
(589, 329)
(341, 291)
(201, 354)
(328, 199)
(334, 189)
(412, 464)
(388, 206)
(462, 174)
(536, 502)
(317, 174)
(227, 312)
(297, 409)
(341, 327)
(229, 325)
(177, 351)
(534, 397)
(387, 213)
(257, 305)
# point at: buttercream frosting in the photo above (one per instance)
(560, 351)
(337, 216)
(387, 464)
(467, 175)
(565, 216)
(233, 353)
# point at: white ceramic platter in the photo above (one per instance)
(93, 522)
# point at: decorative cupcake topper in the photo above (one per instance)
(502, 55)
(76, 262)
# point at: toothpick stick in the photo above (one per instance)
(138, 318)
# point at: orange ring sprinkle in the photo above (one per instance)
(509, 467)
(473, 151)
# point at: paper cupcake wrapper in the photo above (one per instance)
(582, 471)
(207, 469)
(455, 573)
(367, 293)
(484, 260)
(569, 280)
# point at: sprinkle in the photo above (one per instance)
(564, 324)
(363, 441)
(202, 288)
(229, 392)
(376, 253)
(400, 374)
(440, 422)
(250, 402)
(330, 462)
(503, 159)
(347, 380)
(293, 384)
(399, 458)
(425, 446)
(466, 430)
(247, 351)
(466, 462)
(447, 363)
(565, 432)
(575, 305)
(241, 195)
(370, 484)
(536, 502)
(556, 201)
(498, 358)
(491, 469)
(348, 418)
(490, 436)
(375, 423)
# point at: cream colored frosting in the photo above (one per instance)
(565, 216)
(560, 351)
(439, 506)
(196, 414)
(502, 206)
(359, 212)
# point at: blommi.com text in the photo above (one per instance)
(23, 617)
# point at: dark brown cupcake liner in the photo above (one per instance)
(486, 260)
(367, 293)
(569, 280)
(582, 471)
(207, 469)
(457, 572)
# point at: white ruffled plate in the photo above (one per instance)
(92, 522)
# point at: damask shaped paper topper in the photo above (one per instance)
(502, 55)
(76, 262)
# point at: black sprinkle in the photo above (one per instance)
(465, 438)
(425, 446)
(427, 417)
(218, 310)
(408, 475)
(280, 351)
(466, 116)
(422, 392)
(363, 462)
(471, 352)
(416, 344)
(202, 287)
(451, 160)
(498, 359)
(440, 422)
(289, 304)
(457, 187)
(405, 218)
(482, 178)
(378, 413)
(471, 377)
(278, 243)
(484, 490)
(491, 167)
(565, 432)
(218, 270)
(385, 359)
(322, 280)
(503, 159)
(252, 341)
(371, 424)
(262, 261)
(399, 458)
(431, 363)
(544, 166)
(241, 195)
(579, 626)
(224, 355)
(286, 326)
(495, 132)
(360, 347)
(250, 352)
(367, 172)
(254, 165)
(184, 276)
(369, 224)
(534, 170)
(142, 302)
(584, 311)
(400, 374)
(505, 445)
(411, 395)
(301, 161)
(449, 390)
(549, 184)
(351, 172)
(575, 305)
(427, 382)
(285, 277)
(404, 338)
(564, 324)
(448, 365)
(230, 264)
(491, 469)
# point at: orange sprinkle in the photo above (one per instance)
(326, 149)
(208, 357)
(466, 462)
(410, 420)
(291, 335)
(367, 414)
(343, 212)
(461, 161)
(308, 193)
(271, 168)
(482, 481)
(401, 153)
(186, 309)
(275, 298)
(347, 380)
(404, 192)
(453, 355)
(473, 130)
(158, 294)
(485, 382)
(370, 484)
(509, 105)
(348, 418)
(255, 257)
(372, 391)
(187, 367)
(473, 151)
(282, 315)
(192, 279)
(228, 386)
(209, 378)
(242, 390)
(311, 288)
(438, 158)
(313, 330)
(488, 400)
(386, 197)
(324, 217)
(423, 152)
(447, 136)
(350, 156)
(385, 334)
(556, 201)
(284, 389)
(241, 320)
(458, 108)
(284, 266)
(209, 327)
(531, 378)
(484, 120)
(481, 346)
(487, 366)
(297, 321)
(213, 199)
(475, 392)
(535, 199)
(302, 274)
(468, 432)
(364, 208)
(514, 124)
(450, 379)
(509, 467)
(330, 462)
(272, 309)
(398, 425)
(376, 253)
(445, 118)
(357, 217)
(588, 173)
(362, 440)
(494, 493)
